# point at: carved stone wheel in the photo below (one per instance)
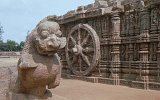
(82, 49)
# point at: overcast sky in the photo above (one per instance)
(19, 16)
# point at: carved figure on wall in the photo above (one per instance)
(39, 65)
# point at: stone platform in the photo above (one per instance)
(71, 89)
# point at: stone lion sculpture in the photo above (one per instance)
(39, 65)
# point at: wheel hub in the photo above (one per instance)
(77, 49)
(82, 58)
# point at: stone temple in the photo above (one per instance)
(113, 42)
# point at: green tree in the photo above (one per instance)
(20, 46)
(1, 45)
(11, 45)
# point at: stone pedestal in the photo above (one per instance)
(21, 96)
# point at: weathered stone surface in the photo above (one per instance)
(129, 36)
(39, 66)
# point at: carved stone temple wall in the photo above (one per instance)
(126, 47)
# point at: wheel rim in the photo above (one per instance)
(82, 49)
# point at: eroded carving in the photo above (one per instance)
(39, 65)
(129, 33)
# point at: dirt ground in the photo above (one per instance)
(79, 90)
(8, 62)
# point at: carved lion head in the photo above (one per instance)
(48, 38)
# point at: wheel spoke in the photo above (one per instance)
(71, 57)
(73, 40)
(80, 64)
(85, 40)
(90, 55)
(83, 49)
(85, 59)
(79, 36)
(69, 50)
(75, 58)
(88, 50)
(90, 43)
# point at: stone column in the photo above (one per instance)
(116, 40)
(158, 59)
(144, 48)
